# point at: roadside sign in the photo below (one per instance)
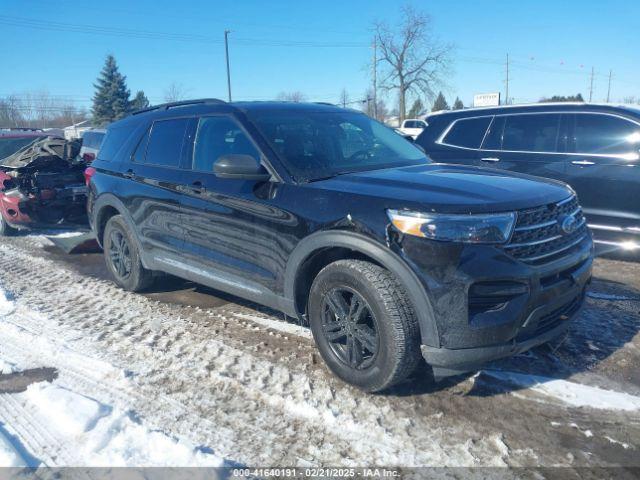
(486, 100)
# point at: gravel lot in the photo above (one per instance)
(240, 380)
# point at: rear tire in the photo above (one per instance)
(6, 230)
(123, 258)
(364, 325)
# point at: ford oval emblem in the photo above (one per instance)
(568, 224)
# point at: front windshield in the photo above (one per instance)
(317, 145)
(9, 146)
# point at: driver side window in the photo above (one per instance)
(217, 136)
(352, 139)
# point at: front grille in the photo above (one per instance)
(538, 236)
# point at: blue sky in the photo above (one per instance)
(553, 45)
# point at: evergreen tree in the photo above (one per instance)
(416, 109)
(440, 103)
(111, 100)
(139, 102)
(458, 105)
(562, 98)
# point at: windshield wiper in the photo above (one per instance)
(333, 175)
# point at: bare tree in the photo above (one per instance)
(380, 113)
(295, 97)
(413, 60)
(174, 93)
(344, 98)
(11, 112)
(39, 109)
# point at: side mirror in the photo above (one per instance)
(240, 167)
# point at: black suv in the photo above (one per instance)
(594, 148)
(333, 218)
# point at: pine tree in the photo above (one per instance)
(458, 105)
(416, 109)
(139, 102)
(111, 100)
(440, 103)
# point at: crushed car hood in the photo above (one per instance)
(450, 188)
(42, 153)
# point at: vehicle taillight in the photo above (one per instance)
(88, 173)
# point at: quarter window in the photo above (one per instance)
(605, 134)
(414, 124)
(531, 133)
(467, 132)
(217, 136)
(165, 142)
(113, 142)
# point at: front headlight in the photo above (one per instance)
(490, 228)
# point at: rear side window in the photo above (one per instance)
(113, 142)
(467, 132)
(605, 134)
(165, 142)
(414, 124)
(141, 149)
(92, 139)
(217, 136)
(531, 133)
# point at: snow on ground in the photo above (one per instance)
(9, 456)
(148, 380)
(574, 394)
(86, 431)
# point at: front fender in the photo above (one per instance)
(381, 254)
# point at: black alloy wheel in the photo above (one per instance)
(120, 254)
(350, 327)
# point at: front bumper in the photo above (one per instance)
(446, 362)
(487, 305)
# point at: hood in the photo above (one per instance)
(451, 188)
(43, 152)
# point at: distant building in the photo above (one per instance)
(75, 130)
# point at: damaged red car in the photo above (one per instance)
(41, 181)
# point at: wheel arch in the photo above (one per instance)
(106, 206)
(338, 244)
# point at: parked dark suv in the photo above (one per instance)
(594, 148)
(331, 217)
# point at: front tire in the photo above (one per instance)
(364, 325)
(123, 258)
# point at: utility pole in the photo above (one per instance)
(591, 86)
(506, 99)
(375, 78)
(609, 87)
(226, 49)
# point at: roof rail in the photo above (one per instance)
(167, 106)
(326, 103)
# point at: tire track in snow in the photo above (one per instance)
(295, 413)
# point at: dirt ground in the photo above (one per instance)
(250, 385)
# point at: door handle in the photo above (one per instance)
(490, 159)
(583, 162)
(129, 174)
